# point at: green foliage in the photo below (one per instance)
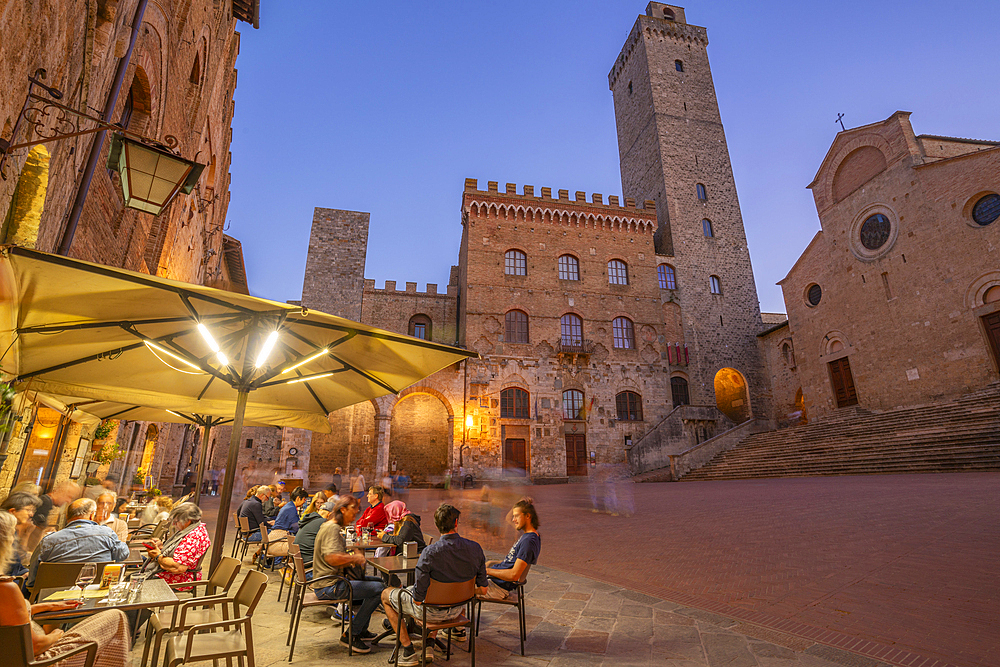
(109, 453)
(103, 430)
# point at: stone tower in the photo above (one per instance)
(672, 148)
(335, 265)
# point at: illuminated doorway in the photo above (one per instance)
(731, 396)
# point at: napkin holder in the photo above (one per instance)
(409, 550)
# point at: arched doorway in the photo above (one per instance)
(418, 437)
(148, 452)
(731, 396)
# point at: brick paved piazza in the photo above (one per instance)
(903, 561)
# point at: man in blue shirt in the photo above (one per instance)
(81, 541)
(505, 574)
(286, 524)
(451, 559)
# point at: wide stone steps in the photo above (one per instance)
(960, 435)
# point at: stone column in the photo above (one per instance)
(452, 454)
(382, 427)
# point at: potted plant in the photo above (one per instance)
(101, 433)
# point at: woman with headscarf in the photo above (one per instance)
(178, 560)
(404, 527)
(109, 628)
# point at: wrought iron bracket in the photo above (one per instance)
(51, 120)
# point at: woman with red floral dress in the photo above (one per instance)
(179, 558)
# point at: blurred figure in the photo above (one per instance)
(110, 484)
(164, 504)
(21, 505)
(286, 524)
(358, 484)
(337, 479)
(64, 493)
(105, 516)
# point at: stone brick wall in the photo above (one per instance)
(907, 315)
(335, 265)
(182, 78)
(258, 463)
(671, 139)
(393, 309)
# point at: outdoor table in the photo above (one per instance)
(370, 545)
(155, 593)
(398, 565)
(135, 556)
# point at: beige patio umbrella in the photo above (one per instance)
(93, 332)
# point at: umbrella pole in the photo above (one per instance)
(206, 427)
(227, 485)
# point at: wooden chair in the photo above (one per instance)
(288, 567)
(15, 633)
(195, 645)
(515, 599)
(161, 623)
(245, 529)
(58, 575)
(307, 598)
(264, 544)
(441, 595)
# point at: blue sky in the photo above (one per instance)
(387, 108)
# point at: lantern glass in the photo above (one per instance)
(150, 176)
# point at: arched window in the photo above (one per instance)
(420, 327)
(571, 330)
(702, 195)
(515, 326)
(678, 65)
(667, 276)
(679, 391)
(629, 406)
(624, 333)
(569, 268)
(617, 272)
(572, 406)
(706, 227)
(715, 284)
(514, 403)
(515, 263)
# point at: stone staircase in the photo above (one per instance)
(955, 436)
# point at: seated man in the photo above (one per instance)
(253, 509)
(375, 516)
(106, 517)
(506, 573)
(81, 541)
(451, 559)
(331, 557)
(274, 504)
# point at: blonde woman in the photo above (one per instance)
(163, 506)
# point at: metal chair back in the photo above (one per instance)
(58, 575)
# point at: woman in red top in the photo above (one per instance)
(375, 516)
(178, 560)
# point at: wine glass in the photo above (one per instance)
(87, 574)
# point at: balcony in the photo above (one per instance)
(572, 349)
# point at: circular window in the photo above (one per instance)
(814, 294)
(875, 231)
(986, 210)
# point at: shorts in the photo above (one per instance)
(495, 592)
(434, 614)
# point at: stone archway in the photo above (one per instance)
(419, 433)
(731, 395)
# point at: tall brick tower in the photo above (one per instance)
(335, 265)
(673, 151)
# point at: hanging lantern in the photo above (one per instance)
(150, 175)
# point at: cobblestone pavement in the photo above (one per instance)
(571, 620)
(897, 569)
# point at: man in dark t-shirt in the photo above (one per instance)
(505, 574)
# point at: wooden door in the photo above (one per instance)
(576, 454)
(992, 324)
(515, 459)
(843, 383)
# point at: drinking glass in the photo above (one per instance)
(86, 576)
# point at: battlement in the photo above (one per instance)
(561, 210)
(656, 24)
(545, 194)
(431, 289)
